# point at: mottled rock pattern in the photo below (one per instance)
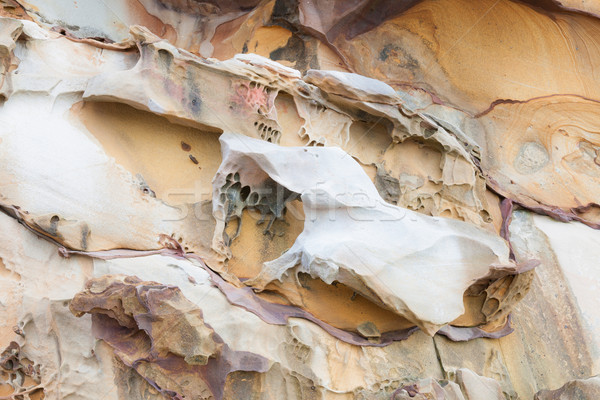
(581, 389)
(119, 199)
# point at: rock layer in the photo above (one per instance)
(364, 230)
(340, 201)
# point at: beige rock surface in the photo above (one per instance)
(579, 389)
(198, 261)
(465, 385)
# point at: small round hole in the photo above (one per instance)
(244, 193)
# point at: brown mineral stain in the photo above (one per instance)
(12, 9)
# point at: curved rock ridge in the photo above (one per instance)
(279, 314)
(452, 184)
(299, 347)
(159, 81)
(130, 313)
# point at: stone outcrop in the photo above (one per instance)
(578, 389)
(303, 200)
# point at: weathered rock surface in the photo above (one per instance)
(465, 385)
(583, 389)
(303, 200)
(158, 332)
(438, 261)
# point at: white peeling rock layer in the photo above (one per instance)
(416, 265)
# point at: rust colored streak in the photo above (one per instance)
(461, 334)
(117, 253)
(506, 208)
(20, 215)
(551, 211)
(554, 212)
(513, 101)
(12, 9)
(102, 43)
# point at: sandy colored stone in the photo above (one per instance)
(155, 330)
(463, 384)
(583, 389)
(543, 154)
(175, 183)
(339, 199)
(111, 114)
(334, 368)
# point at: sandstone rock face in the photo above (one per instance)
(468, 385)
(299, 199)
(579, 389)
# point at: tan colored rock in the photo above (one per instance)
(334, 368)
(465, 55)
(155, 330)
(111, 114)
(353, 86)
(35, 315)
(478, 387)
(18, 376)
(151, 212)
(429, 389)
(301, 355)
(581, 389)
(464, 385)
(331, 121)
(339, 200)
(11, 29)
(543, 154)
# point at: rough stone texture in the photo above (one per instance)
(581, 389)
(465, 385)
(299, 199)
(340, 200)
